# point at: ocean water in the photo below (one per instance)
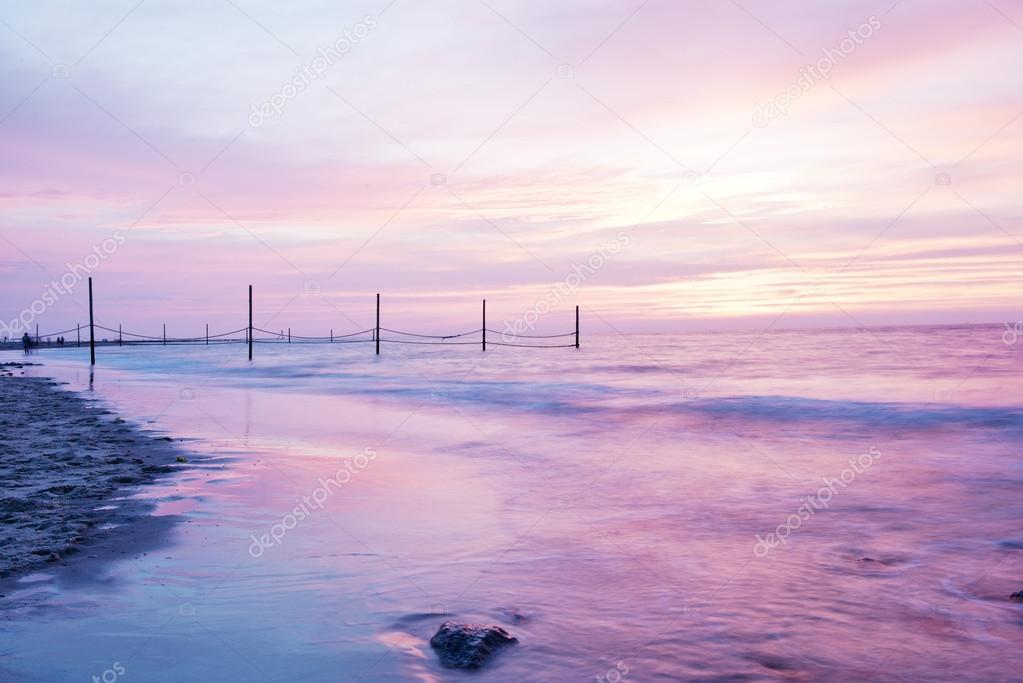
(831, 505)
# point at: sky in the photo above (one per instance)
(666, 165)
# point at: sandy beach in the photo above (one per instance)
(68, 466)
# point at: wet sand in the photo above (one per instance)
(68, 467)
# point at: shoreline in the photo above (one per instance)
(69, 468)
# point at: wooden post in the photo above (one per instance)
(332, 335)
(376, 334)
(207, 333)
(250, 322)
(37, 334)
(289, 335)
(79, 336)
(120, 335)
(92, 329)
(577, 327)
(484, 324)
(165, 334)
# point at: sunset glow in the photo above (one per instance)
(445, 153)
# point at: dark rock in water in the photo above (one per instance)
(468, 646)
(1017, 596)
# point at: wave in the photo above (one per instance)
(888, 414)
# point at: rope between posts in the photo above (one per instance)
(532, 336)
(534, 346)
(168, 339)
(431, 336)
(428, 343)
(247, 335)
(327, 338)
(319, 341)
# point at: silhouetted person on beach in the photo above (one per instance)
(26, 341)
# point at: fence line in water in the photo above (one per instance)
(375, 335)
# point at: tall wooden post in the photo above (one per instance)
(92, 329)
(207, 333)
(165, 334)
(332, 335)
(484, 324)
(376, 334)
(120, 335)
(250, 322)
(79, 336)
(37, 334)
(577, 327)
(289, 335)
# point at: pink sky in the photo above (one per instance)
(466, 149)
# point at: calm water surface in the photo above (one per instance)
(656, 508)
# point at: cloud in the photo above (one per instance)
(451, 154)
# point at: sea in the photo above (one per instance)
(781, 505)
